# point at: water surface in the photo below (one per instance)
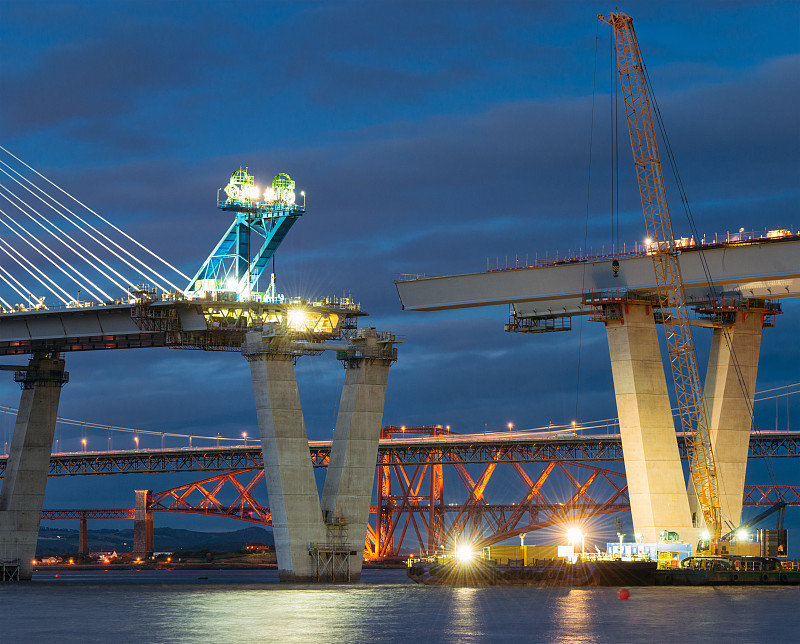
(251, 606)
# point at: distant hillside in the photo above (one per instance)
(58, 542)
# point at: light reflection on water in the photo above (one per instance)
(250, 606)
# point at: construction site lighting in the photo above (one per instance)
(705, 535)
(741, 535)
(464, 553)
(574, 535)
(296, 319)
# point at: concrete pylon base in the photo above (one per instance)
(143, 543)
(729, 402)
(319, 541)
(293, 497)
(25, 479)
(656, 484)
(347, 493)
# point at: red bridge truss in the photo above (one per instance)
(413, 511)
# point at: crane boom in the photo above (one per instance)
(674, 315)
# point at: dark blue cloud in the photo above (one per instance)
(430, 138)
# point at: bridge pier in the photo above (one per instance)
(656, 485)
(25, 479)
(288, 473)
(729, 402)
(311, 545)
(347, 492)
(143, 545)
(83, 538)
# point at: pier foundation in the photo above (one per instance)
(25, 479)
(656, 484)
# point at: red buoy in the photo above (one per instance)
(58, 575)
(624, 593)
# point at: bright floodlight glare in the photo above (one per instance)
(231, 284)
(705, 535)
(254, 192)
(464, 553)
(648, 241)
(296, 319)
(741, 535)
(573, 534)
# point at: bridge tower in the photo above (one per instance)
(25, 479)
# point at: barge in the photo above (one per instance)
(701, 570)
(450, 571)
(716, 570)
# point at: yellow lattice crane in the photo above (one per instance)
(674, 315)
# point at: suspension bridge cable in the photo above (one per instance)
(103, 296)
(103, 219)
(68, 236)
(21, 293)
(79, 218)
(8, 251)
(37, 269)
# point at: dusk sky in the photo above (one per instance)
(429, 137)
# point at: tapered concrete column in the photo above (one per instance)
(656, 485)
(729, 402)
(351, 471)
(143, 543)
(25, 480)
(83, 538)
(291, 487)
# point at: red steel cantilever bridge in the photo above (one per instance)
(499, 485)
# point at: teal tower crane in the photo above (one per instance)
(232, 271)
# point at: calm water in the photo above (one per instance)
(250, 606)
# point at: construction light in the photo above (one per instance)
(741, 535)
(705, 535)
(296, 319)
(574, 535)
(464, 553)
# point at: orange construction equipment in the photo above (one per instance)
(665, 252)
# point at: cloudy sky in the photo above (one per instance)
(429, 137)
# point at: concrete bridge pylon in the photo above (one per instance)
(319, 541)
(728, 392)
(25, 479)
(656, 484)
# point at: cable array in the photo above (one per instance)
(55, 249)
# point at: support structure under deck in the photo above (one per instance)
(729, 388)
(656, 484)
(312, 544)
(347, 493)
(25, 479)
